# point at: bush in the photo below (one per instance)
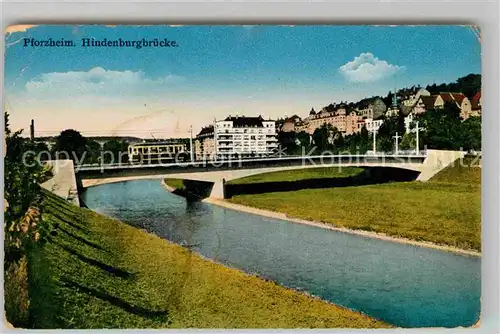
(16, 293)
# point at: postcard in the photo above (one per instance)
(242, 176)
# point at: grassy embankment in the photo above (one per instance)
(446, 210)
(299, 174)
(97, 272)
(293, 175)
(174, 183)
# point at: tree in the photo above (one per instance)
(388, 99)
(6, 124)
(70, 144)
(339, 142)
(408, 142)
(287, 141)
(92, 152)
(304, 139)
(23, 173)
(358, 143)
(443, 128)
(40, 149)
(468, 85)
(387, 130)
(321, 136)
(279, 123)
(115, 151)
(471, 133)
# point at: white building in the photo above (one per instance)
(408, 121)
(245, 136)
(373, 125)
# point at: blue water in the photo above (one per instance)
(407, 286)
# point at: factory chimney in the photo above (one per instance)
(32, 130)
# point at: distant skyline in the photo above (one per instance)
(216, 71)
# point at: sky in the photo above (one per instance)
(216, 71)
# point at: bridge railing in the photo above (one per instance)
(326, 159)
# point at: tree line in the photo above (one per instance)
(71, 144)
(23, 226)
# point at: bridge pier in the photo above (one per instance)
(64, 182)
(218, 189)
(436, 161)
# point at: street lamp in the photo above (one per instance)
(397, 143)
(191, 153)
(417, 130)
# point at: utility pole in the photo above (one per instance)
(215, 139)
(397, 142)
(191, 142)
(417, 144)
(374, 141)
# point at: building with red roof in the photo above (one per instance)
(476, 104)
(425, 103)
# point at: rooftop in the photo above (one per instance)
(206, 130)
(429, 101)
(452, 97)
(476, 101)
(246, 122)
(159, 143)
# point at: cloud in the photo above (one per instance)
(368, 68)
(96, 81)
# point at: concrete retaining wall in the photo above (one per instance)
(63, 183)
(436, 161)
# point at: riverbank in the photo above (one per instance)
(97, 272)
(369, 234)
(300, 174)
(441, 214)
(445, 211)
(170, 188)
(364, 233)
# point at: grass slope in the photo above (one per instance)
(174, 183)
(446, 210)
(97, 272)
(462, 171)
(299, 174)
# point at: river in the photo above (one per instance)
(405, 285)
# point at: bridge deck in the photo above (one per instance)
(259, 163)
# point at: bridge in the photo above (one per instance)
(217, 172)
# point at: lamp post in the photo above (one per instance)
(191, 143)
(374, 141)
(397, 142)
(417, 131)
(215, 140)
